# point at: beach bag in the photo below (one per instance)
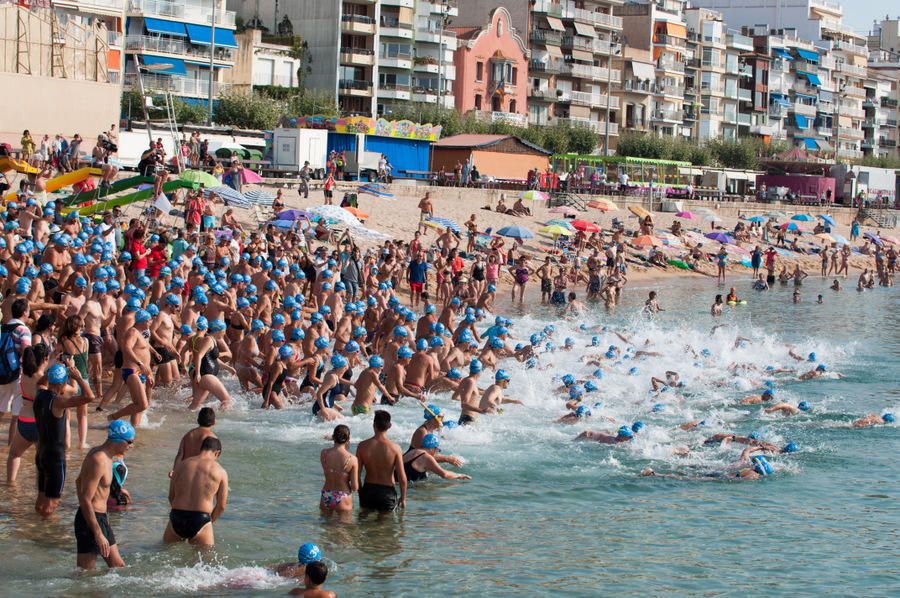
(10, 366)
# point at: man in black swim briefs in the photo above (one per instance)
(382, 462)
(198, 493)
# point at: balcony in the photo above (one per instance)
(597, 18)
(161, 45)
(358, 56)
(273, 80)
(669, 116)
(399, 62)
(548, 8)
(392, 91)
(392, 27)
(855, 92)
(777, 111)
(663, 89)
(851, 111)
(847, 133)
(546, 95)
(804, 109)
(636, 86)
(668, 40)
(511, 118)
(743, 119)
(547, 37)
(851, 69)
(115, 39)
(194, 11)
(851, 48)
(441, 7)
(850, 154)
(354, 87)
(762, 130)
(672, 66)
(176, 85)
(357, 24)
(885, 142)
(832, 7)
(739, 42)
(426, 95)
(889, 102)
(601, 46)
(868, 144)
(595, 73)
(745, 95)
(434, 37)
(398, 3)
(575, 42)
(551, 67)
(111, 7)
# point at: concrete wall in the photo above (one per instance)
(319, 23)
(49, 105)
(475, 13)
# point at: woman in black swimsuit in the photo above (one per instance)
(418, 462)
(206, 351)
(34, 366)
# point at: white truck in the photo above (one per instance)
(292, 147)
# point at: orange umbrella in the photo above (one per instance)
(639, 211)
(604, 205)
(647, 241)
(358, 213)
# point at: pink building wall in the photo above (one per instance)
(480, 46)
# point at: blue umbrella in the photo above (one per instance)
(292, 215)
(840, 239)
(232, 197)
(874, 238)
(516, 232)
(284, 224)
(445, 223)
(828, 219)
(758, 219)
(802, 217)
(790, 226)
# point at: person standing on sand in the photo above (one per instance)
(382, 462)
(426, 210)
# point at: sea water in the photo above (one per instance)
(544, 515)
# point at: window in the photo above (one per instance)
(479, 72)
(495, 104)
(499, 27)
(396, 50)
(757, 99)
(429, 83)
(731, 63)
(512, 105)
(478, 101)
(514, 78)
(394, 80)
(710, 57)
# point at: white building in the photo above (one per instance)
(260, 63)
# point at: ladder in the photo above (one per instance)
(23, 50)
(882, 218)
(172, 123)
(569, 199)
(57, 45)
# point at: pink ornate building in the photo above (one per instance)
(492, 70)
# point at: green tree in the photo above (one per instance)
(190, 113)
(582, 140)
(309, 102)
(248, 111)
(556, 139)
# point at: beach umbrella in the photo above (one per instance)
(225, 233)
(336, 213)
(604, 205)
(260, 197)
(720, 237)
(802, 217)
(443, 223)
(292, 215)
(758, 219)
(534, 195)
(229, 195)
(516, 232)
(840, 239)
(585, 226)
(554, 230)
(560, 222)
(368, 233)
(249, 177)
(284, 224)
(827, 219)
(776, 215)
(200, 177)
(790, 226)
(686, 215)
(639, 211)
(376, 189)
(712, 218)
(647, 241)
(563, 210)
(357, 212)
(825, 237)
(874, 238)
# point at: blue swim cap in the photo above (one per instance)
(430, 441)
(57, 374)
(589, 386)
(637, 426)
(81, 283)
(297, 334)
(495, 343)
(475, 366)
(277, 336)
(400, 331)
(761, 465)
(308, 553)
(202, 323)
(217, 325)
(790, 447)
(595, 341)
(172, 299)
(770, 383)
(359, 331)
(575, 391)
(888, 418)
(455, 302)
(404, 352)
(582, 411)
(120, 431)
(705, 352)
(804, 406)
(285, 352)
(768, 393)
(436, 341)
(315, 317)
(338, 361)
(820, 367)
(632, 371)
(98, 287)
(23, 285)
(185, 329)
(625, 432)
(351, 347)
(153, 309)
(568, 380)
(753, 435)
(376, 361)
(812, 357)
(257, 325)
(429, 309)
(432, 411)
(598, 373)
(535, 340)
(454, 374)
(142, 315)
(421, 344)
(320, 343)
(658, 407)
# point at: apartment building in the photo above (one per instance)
(884, 67)
(571, 77)
(171, 44)
(69, 49)
(636, 89)
(263, 60)
(659, 27)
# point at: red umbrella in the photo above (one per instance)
(584, 225)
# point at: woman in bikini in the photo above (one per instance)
(341, 471)
(34, 368)
(74, 347)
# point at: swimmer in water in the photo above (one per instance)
(313, 579)
(198, 493)
(788, 409)
(836, 285)
(581, 413)
(672, 380)
(434, 421)
(193, 440)
(766, 396)
(753, 467)
(493, 394)
(306, 555)
(418, 462)
(623, 434)
(817, 373)
(874, 420)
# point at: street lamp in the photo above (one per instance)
(212, 66)
(613, 40)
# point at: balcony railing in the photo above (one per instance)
(186, 10)
(852, 69)
(598, 18)
(356, 84)
(548, 8)
(804, 109)
(146, 43)
(666, 115)
(595, 126)
(114, 38)
(273, 80)
(670, 65)
(636, 86)
(669, 40)
(668, 89)
(177, 85)
(745, 95)
(743, 119)
(512, 118)
(553, 67)
(596, 73)
(547, 37)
